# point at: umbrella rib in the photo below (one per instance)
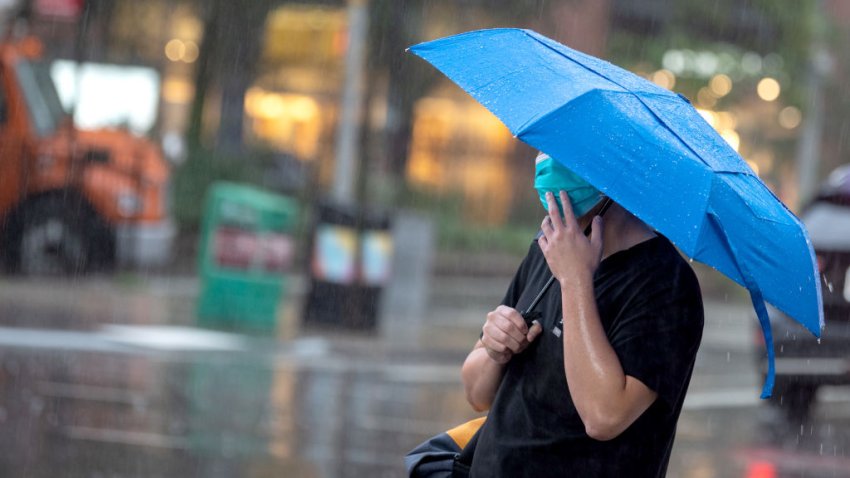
(662, 92)
(495, 80)
(671, 96)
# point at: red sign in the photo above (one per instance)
(66, 9)
(244, 249)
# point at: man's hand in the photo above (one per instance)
(570, 255)
(505, 334)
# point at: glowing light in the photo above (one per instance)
(731, 137)
(708, 116)
(191, 53)
(253, 97)
(177, 90)
(790, 117)
(271, 106)
(761, 469)
(706, 63)
(664, 78)
(720, 85)
(674, 60)
(751, 63)
(753, 165)
(175, 49)
(726, 120)
(706, 98)
(768, 89)
(268, 105)
(302, 108)
(764, 159)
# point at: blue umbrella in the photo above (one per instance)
(650, 151)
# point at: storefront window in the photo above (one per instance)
(458, 146)
(291, 106)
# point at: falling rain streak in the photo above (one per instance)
(256, 237)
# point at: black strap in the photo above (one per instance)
(463, 462)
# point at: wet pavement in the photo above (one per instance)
(108, 377)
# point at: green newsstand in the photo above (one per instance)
(246, 246)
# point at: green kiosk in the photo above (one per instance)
(246, 246)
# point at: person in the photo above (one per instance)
(594, 387)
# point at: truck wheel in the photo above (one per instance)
(53, 239)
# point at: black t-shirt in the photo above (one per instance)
(650, 305)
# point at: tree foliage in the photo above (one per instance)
(761, 26)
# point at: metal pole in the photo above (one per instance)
(349, 119)
(809, 146)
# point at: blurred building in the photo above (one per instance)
(836, 141)
(291, 101)
(288, 101)
(458, 146)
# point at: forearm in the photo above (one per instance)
(594, 374)
(481, 377)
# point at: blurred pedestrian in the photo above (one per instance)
(594, 387)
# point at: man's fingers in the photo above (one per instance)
(492, 343)
(569, 217)
(501, 319)
(534, 331)
(554, 213)
(510, 329)
(543, 242)
(504, 340)
(596, 231)
(546, 225)
(514, 317)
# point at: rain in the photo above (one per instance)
(249, 238)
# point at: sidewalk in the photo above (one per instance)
(119, 361)
(458, 306)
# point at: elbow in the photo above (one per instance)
(476, 402)
(604, 427)
(601, 432)
(479, 407)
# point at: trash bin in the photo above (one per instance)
(246, 246)
(351, 257)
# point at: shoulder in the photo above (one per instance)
(531, 265)
(660, 278)
(663, 262)
(534, 253)
(682, 277)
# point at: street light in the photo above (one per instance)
(768, 89)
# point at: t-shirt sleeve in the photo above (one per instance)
(657, 339)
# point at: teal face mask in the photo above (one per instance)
(551, 176)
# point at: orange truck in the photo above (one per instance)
(72, 201)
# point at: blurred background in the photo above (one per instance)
(258, 238)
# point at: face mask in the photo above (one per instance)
(551, 176)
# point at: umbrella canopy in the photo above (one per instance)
(650, 151)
